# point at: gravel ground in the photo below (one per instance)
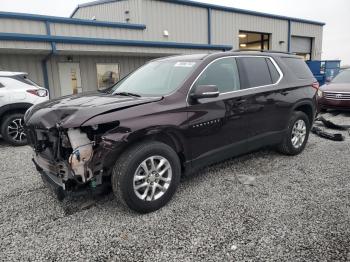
(298, 209)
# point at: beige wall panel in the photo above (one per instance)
(184, 23)
(114, 12)
(24, 63)
(22, 45)
(126, 50)
(96, 32)
(22, 26)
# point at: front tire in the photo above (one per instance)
(12, 130)
(146, 176)
(297, 134)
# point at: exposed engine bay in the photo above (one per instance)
(71, 157)
(81, 155)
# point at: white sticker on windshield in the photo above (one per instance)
(185, 64)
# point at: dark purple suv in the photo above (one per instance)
(169, 118)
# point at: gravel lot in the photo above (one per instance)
(298, 209)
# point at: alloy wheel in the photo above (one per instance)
(152, 178)
(15, 130)
(298, 133)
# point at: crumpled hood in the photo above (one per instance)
(73, 111)
(336, 87)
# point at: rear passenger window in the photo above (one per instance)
(223, 73)
(275, 76)
(298, 66)
(254, 72)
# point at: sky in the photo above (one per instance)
(335, 13)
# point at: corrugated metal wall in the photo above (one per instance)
(184, 23)
(226, 26)
(88, 69)
(189, 24)
(309, 30)
(125, 50)
(114, 11)
(17, 47)
(96, 32)
(24, 63)
(22, 26)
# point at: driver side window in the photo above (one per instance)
(222, 73)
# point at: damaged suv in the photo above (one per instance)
(169, 118)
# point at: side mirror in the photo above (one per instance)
(205, 91)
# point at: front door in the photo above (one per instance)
(70, 81)
(216, 124)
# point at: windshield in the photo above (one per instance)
(156, 78)
(342, 77)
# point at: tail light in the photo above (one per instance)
(38, 92)
(315, 85)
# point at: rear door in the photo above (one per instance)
(259, 79)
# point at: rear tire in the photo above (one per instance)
(146, 176)
(297, 134)
(12, 130)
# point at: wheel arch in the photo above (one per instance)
(306, 107)
(169, 136)
(13, 108)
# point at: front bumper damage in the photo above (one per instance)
(68, 160)
(45, 168)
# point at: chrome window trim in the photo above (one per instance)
(241, 90)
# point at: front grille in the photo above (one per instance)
(337, 95)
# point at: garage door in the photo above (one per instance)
(301, 45)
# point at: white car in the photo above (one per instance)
(17, 94)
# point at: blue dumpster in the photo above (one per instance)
(324, 70)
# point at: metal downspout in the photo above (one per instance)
(45, 60)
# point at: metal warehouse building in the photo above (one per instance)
(104, 40)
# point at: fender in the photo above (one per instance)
(14, 106)
(123, 135)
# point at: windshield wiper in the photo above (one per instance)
(126, 94)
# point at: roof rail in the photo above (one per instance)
(263, 51)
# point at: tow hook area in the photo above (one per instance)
(81, 155)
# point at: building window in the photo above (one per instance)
(107, 75)
(253, 41)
